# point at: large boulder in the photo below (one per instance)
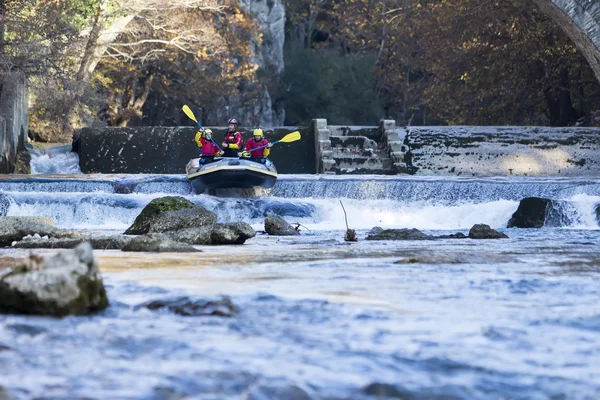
(16, 228)
(228, 233)
(275, 225)
(170, 213)
(65, 283)
(158, 243)
(531, 213)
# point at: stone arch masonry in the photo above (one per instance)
(580, 19)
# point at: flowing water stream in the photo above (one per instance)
(320, 318)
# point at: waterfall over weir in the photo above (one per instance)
(113, 201)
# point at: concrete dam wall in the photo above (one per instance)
(384, 149)
(166, 150)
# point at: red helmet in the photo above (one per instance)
(232, 121)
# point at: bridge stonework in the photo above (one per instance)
(580, 19)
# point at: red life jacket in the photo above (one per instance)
(209, 149)
(252, 144)
(234, 138)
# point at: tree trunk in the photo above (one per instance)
(90, 46)
(2, 11)
(134, 106)
(560, 104)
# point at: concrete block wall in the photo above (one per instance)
(14, 101)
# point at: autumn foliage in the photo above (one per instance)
(135, 62)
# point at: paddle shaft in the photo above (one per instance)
(262, 147)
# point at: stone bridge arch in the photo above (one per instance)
(580, 19)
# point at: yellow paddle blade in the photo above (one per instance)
(290, 137)
(189, 113)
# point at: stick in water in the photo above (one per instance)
(350, 235)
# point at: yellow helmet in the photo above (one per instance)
(258, 132)
(209, 131)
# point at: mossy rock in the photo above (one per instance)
(164, 211)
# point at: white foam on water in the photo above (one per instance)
(583, 211)
(391, 214)
(55, 162)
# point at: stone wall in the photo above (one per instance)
(458, 151)
(383, 149)
(166, 150)
(14, 124)
(502, 151)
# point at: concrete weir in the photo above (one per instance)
(166, 150)
(383, 149)
(503, 151)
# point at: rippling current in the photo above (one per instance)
(319, 318)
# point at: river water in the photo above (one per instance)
(319, 318)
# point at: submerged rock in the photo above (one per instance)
(286, 208)
(275, 225)
(388, 391)
(531, 213)
(170, 213)
(287, 392)
(384, 390)
(228, 233)
(400, 234)
(65, 283)
(482, 231)
(188, 307)
(101, 243)
(16, 228)
(375, 230)
(158, 243)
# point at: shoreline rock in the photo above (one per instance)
(65, 283)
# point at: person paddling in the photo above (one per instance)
(258, 140)
(233, 139)
(208, 149)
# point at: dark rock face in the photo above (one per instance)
(482, 231)
(168, 214)
(63, 284)
(277, 226)
(158, 243)
(531, 213)
(229, 233)
(188, 307)
(400, 234)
